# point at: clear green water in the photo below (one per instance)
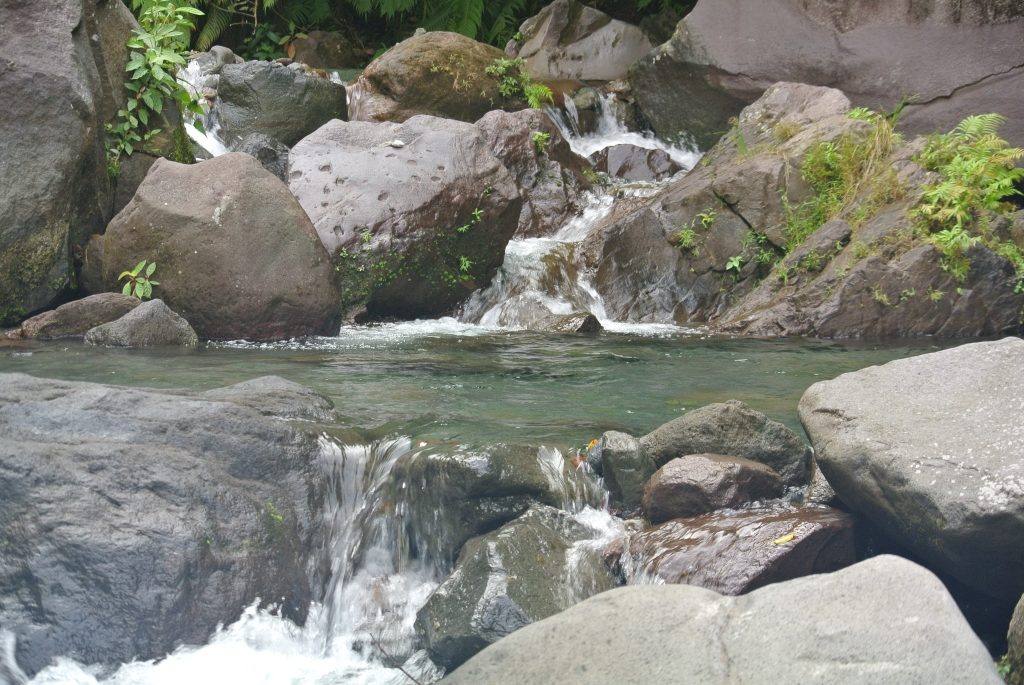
(450, 381)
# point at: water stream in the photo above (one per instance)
(478, 380)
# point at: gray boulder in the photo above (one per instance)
(699, 483)
(439, 73)
(522, 573)
(326, 50)
(884, 620)
(282, 102)
(272, 154)
(150, 324)
(632, 163)
(236, 254)
(626, 467)
(59, 90)
(733, 552)
(927, 449)
(137, 521)
(547, 172)
(74, 319)
(568, 40)
(735, 429)
(725, 53)
(416, 215)
(276, 396)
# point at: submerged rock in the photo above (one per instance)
(928, 449)
(276, 396)
(267, 97)
(150, 324)
(413, 227)
(452, 496)
(733, 552)
(885, 620)
(529, 569)
(74, 319)
(699, 483)
(236, 254)
(438, 73)
(725, 53)
(62, 80)
(137, 521)
(568, 40)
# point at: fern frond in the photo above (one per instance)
(218, 18)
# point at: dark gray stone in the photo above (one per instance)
(519, 574)
(150, 324)
(735, 429)
(237, 256)
(416, 215)
(272, 154)
(633, 163)
(626, 467)
(136, 521)
(884, 621)
(699, 483)
(269, 98)
(928, 449)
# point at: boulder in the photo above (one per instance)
(416, 215)
(633, 163)
(58, 93)
(884, 620)
(1015, 642)
(578, 322)
(325, 50)
(137, 521)
(626, 467)
(699, 483)
(568, 40)
(150, 324)
(74, 319)
(549, 175)
(735, 429)
(733, 552)
(724, 54)
(927, 449)
(276, 396)
(527, 570)
(438, 73)
(284, 102)
(271, 154)
(236, 254)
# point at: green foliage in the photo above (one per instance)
(155, 52)
(540, 142)
(138, 281)
(838, 171)
(686, 239)
(735, 263)
(515, 81)
(977, 176)
(253, 17)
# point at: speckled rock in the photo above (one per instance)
(931, 449)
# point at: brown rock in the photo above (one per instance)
(700, 483)
(74, 319)
(738, 551)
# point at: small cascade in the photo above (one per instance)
(610, 131)
(205, 136)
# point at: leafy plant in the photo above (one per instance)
(514, 80)
(540, 142)
(138, 281)
(735, 263)
(685, 239)
(155, 52)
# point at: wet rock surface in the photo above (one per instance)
(626, 467)
(527, 570)
(280, 101)
(928, 449)
(272, 154)
(150, 324)
(136, 521)
(885, 620)
(699, 483)
(733, 552)
(568, 40)
(632, 163)
(236, 254)
(416, 215)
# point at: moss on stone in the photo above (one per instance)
(30, 264)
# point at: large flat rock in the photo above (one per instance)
(931, 449)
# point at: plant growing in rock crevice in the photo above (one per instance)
(514, 81)
(138, 281)
(156, 50)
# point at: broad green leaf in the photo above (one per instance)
(150, 269)
(127, 289)
(139, 267)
